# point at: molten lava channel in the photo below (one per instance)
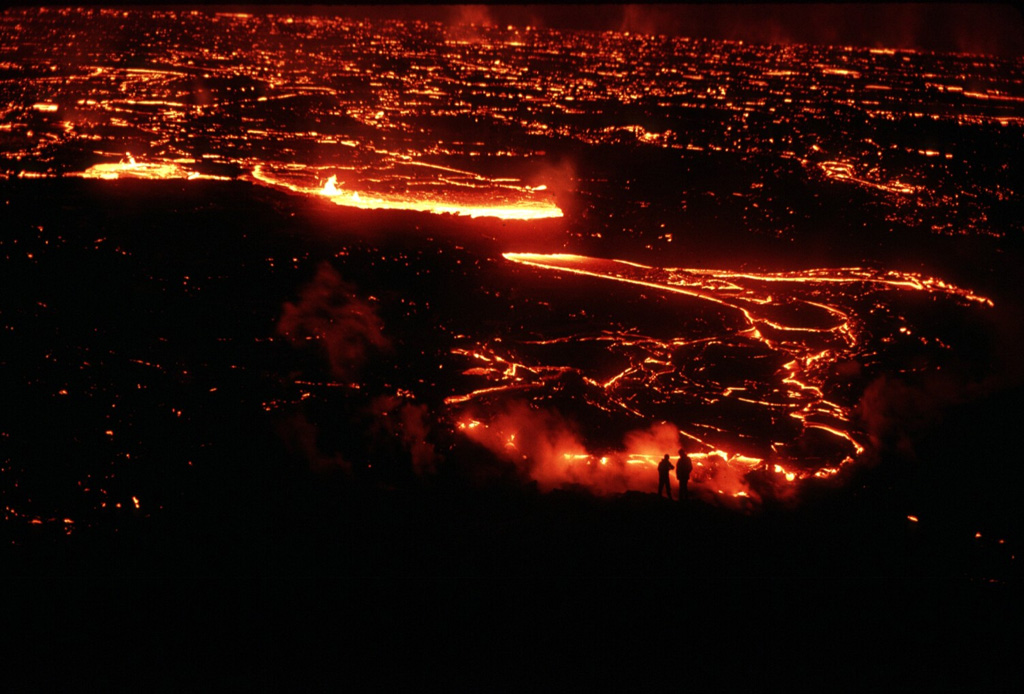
(129, 167)
(472, 196)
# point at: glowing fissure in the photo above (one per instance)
(853, 275)
(129, 167)
(843, 171)
(495, 198)
(488, 199)
(510, 371)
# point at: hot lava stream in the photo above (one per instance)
(440, 190)
(758, 379)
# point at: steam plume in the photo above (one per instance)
(329, 312)
(547, 448)
(300, 435)
(407, 423)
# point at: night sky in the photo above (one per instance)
(992, 28)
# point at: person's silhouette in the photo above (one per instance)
(663, 483)
(683, 469)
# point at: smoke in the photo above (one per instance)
(650, 20)
(467, 22)
(328, 312)
(713, 478)
(330, 317)
(895, 412)
(406, 424)
(559, 175)
(991, 28)
(547, 448)
(541, 444)
(473, 15)
(659, 439)
(300, 435)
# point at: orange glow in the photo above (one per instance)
(129, 167)
(812, 328)
(546, 448)
(492, 199)
(763, 374)
(845, 172)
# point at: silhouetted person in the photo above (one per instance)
(663, 469)
(683, 469)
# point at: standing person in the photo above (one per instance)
(663, 469)
(683, 469)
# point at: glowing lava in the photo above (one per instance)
(486, 198)
(129, 167)
(756, 387)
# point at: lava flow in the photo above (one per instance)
(577, 369)
(748, 385)
(129, 167)
(443, 194)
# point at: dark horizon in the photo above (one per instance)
(988, 28)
